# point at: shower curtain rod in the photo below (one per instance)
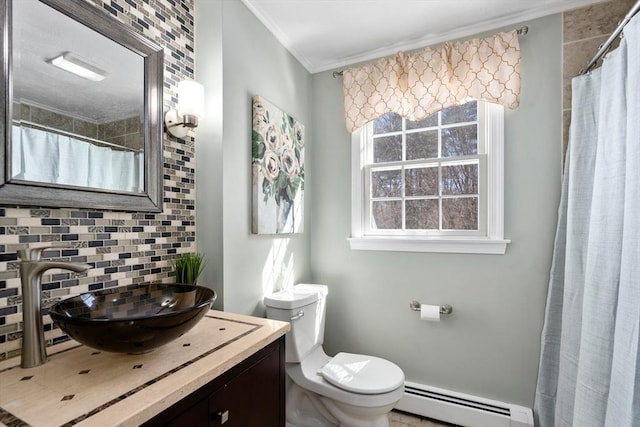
(74, 135)
(604, 48)
(521, 32)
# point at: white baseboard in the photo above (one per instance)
(462, 409)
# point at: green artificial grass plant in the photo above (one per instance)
(188, 268)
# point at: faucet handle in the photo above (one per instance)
(34, 254)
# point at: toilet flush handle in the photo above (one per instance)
(297, 316)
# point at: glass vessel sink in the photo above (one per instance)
(132, 319)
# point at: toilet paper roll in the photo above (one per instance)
(430, 313)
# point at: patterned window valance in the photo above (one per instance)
(418, 84)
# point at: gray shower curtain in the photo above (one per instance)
(590, 361)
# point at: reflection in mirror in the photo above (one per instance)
(82, 123)
(79, 125)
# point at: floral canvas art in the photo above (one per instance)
(278, 170)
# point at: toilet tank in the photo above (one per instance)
(304, 306)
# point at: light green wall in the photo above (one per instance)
(252, 62)
(489, 346)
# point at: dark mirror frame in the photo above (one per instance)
(33, 194)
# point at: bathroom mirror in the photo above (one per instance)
(83, 109)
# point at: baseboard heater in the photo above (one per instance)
(462, 409)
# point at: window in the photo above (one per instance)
(434, 185)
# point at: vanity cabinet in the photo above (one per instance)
(251, 394)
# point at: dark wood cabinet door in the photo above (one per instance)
(251, 394)
(250, 399)
(196, 416)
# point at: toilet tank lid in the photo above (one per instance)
(296, 296)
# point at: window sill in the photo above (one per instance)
(438, 245)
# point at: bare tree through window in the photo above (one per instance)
(424, 174)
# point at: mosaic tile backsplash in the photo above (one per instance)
(122, 247)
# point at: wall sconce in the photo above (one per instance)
(190, 109)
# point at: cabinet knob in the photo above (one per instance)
(221, 416)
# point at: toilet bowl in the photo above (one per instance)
(351, 390)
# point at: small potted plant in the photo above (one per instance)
(188, 268)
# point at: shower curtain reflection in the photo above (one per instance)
(52, 158)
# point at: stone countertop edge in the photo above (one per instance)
(152, 400)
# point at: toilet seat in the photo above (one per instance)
(358, 373)
(307, 375)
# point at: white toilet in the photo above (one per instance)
(350, 390)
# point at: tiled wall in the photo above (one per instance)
(585, 29)
(125, 132)
(123, 248)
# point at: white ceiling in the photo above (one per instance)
(41, 33)
(328, 34)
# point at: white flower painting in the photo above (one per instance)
(277, 152)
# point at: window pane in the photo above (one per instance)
(386, 183)
(460, 179)
(421, 182)
(390, 122)
(460, 213)
(422, 214)
(386, 215)
(422, 145)
(460, 141)
(463, 113)
(387, 149)
(432, 120)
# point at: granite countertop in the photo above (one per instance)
(86, 387)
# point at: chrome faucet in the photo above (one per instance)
(32, 268)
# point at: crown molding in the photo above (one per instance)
(405, 45)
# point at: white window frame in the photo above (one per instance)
(490, 237)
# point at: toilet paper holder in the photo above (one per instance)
(444, 309)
